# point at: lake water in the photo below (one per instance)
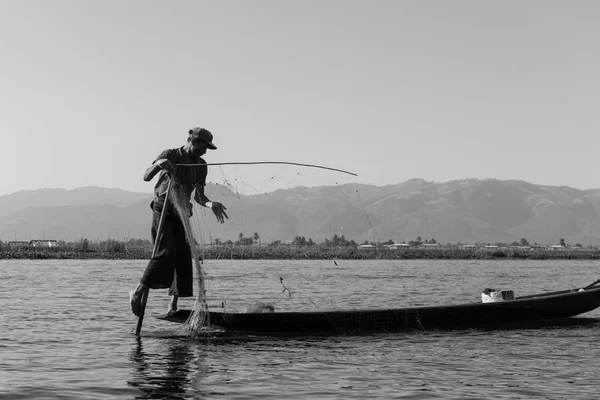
(67, 333)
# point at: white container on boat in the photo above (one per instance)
(497, 295)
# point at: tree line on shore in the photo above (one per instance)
(338, 247)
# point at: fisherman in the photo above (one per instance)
(171, 264)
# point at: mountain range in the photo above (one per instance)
(466, 211)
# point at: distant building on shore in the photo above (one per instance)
(365, 247)
(557, 247)
(17, 244)
(43, 243)
(38, 244)
(397, 246)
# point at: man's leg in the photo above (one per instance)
(183, 280)
(160, 270)
(135, 298)
(173, 304)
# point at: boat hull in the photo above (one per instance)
(527, 309)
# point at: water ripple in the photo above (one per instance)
(70, 335)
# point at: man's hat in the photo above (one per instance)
(204, 135)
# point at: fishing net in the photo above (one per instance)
(180, 198)
(245, 191)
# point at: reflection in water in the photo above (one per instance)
(228, 365)
(181, 368)
(162, 376)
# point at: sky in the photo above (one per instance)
(93, 91)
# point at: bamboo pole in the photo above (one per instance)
(270, 162)
(159, 230)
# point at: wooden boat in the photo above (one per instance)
(548, 308)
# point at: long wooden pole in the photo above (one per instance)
(270, 162)
(159, 230)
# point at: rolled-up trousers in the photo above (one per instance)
(171, 266)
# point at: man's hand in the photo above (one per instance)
(219, 211)
(165, 165)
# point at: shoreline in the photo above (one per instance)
(310, 253)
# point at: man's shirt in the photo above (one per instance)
(186, 178)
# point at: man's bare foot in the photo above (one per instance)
(135, 299)
(172, 306)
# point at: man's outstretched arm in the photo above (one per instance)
(217, 208)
